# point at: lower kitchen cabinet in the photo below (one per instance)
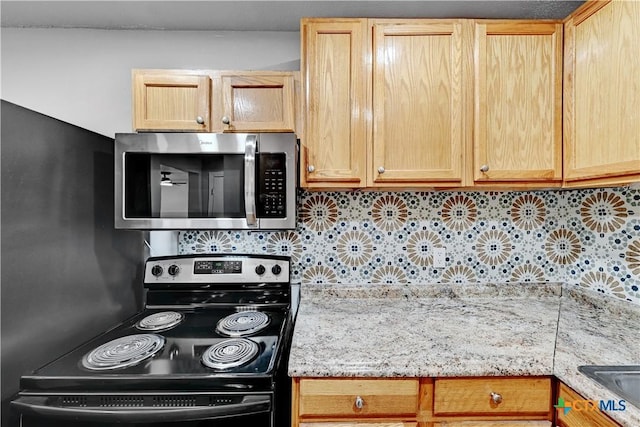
(584, 415)
(424, 402)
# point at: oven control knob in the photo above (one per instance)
(156, 270)
(173, 269)
(260, 270)
(276, 269)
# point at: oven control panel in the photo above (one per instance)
(217, 269)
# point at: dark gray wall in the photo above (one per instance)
(67, 274)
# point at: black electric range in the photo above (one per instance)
(209, 349)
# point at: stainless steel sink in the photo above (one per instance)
(622, 380)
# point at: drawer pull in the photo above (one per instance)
(359, 402)
(496, 398)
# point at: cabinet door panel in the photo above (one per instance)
(417, 103)
(602, 92)
(335, 75)
(518, 101)
(258, 102)
(171, 101)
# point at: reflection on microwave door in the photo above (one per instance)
(205, 181)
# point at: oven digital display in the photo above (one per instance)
(217, 267)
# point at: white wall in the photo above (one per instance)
(83, 76)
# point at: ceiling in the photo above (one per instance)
(243, 15)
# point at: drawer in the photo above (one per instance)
(494, 424)
(481, 396)
(358, 397)
(358, 424)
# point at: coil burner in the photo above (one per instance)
(242, 323)
(161, 321)
(122, 352)
(230, 353)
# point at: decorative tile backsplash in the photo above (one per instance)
(589, 238)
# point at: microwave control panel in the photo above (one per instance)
(271, 186)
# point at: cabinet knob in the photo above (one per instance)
(359, 402)
(200, 120)
(311, 168)
(496, 398)
(381, 169)
(226, 120)
(484, 168)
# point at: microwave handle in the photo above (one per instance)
(250, 180)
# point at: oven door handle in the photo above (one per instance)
(36, 406)
(250, 181)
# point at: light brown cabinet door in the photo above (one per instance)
(252, 102)
(171, 101)
(602, 94)
(417, 103)
(334, 73)
(517, 102)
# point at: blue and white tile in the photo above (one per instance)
(589, 238)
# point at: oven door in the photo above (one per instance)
(251, 410)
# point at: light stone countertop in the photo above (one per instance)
(596, 330)
(449, 330)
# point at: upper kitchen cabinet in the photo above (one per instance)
(171, 100)
(417, 110)
(602, 94)
(383, 103)
(335, 79)
(236, 101)
(247, 101)
(517, 103)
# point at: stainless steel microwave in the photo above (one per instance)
(180, 181)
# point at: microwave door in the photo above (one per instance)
(250, 181)
(214, 181)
